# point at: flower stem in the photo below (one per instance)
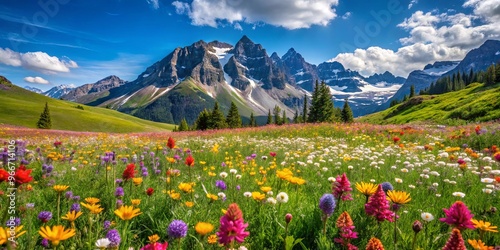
(414, 240)
(395, 229)
(58, 206)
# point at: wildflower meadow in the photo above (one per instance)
(315, 186)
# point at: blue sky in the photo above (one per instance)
(51, 42)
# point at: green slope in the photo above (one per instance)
(21, 107)
(474, 103)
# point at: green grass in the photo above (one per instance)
(23, 108)
(475, 103)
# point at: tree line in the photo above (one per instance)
(455, 82)
(321, 110)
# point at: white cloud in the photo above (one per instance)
(413, 2)
(346, 15)
(36, 61)
(432, 37)
(293, 14)
(154, 3)
(237, 26)
(36, 79)
(486, 9)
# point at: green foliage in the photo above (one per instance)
(269, 118)
(44, 120)
(305, 110)
(412, 91)
(277, 113)
(79, 107)
(477, 102)
(322, 109)
(183, 126)
(233, 118)
(252, 122)
(217, 120)
(490, 76)
(64, 116)
(347, 112)
(203, 120)
(284, 119)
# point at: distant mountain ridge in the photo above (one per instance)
(192, 78)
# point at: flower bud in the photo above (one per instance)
(288, 218)
(417, 226)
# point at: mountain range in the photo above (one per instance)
(192, 78)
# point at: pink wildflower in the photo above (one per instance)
(156, 246)
(455, 242)
(458, 216)
(342, 188)
(232, 226)
(378, 206)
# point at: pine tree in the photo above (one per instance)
(296, 117)
(284, 119)
(233, 118)
(269, 118)
(183, 126)
(490, 76)
(45, 121)
(497, 72)
(304, 111)
(313, 115)
(322, 109)
(412, 91)
(203, 120)
(276, 112)
(217, 119)
(347, 113)
(252, 122)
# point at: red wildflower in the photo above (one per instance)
(4, 175)
(342, 188)
(378, 206)
(497, 156)
(171, 143)
(150, 191)
(458, 216)
(57, 144)
(22, 176)
(232, 226)
(395, 139)
(478, 129)
(455, 242)
(129, 172)
(190, 161)
(273, 154)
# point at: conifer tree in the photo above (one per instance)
(296, 117)
(322, 109)
(203, 120)
(217, 120)
(314, 110)
(44, 121)
(412, 91)
(284, 119)
(490, 76)
(183, 126)
(252, 122)
(269, 118)
(277, 113)
(305, 110)
(347, 112)
(233, 119)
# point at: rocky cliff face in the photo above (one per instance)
(91, 91)
(299, 71)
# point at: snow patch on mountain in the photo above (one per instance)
(438, 71)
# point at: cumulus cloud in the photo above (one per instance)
(486, 9)
(432, 37)
(36, 61)
(36, 79)
(293, 14)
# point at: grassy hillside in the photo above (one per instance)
(474, 103)
(23, 108)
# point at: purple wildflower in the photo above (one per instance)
(177, 229)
